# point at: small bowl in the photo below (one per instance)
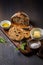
(34, 44)
(5, 22)
(36, 29)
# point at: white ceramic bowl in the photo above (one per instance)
(34, 29)
(5, 21)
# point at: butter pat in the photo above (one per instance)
(37, 34)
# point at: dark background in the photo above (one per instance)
(34, 8)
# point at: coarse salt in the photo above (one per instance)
(35, 45)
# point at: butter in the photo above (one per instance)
(37, 34)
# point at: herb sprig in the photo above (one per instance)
(22, 46)
(2, 40)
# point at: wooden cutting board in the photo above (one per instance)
(17, 44)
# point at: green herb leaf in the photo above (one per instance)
(22, 46)
(2, 40)
(16, 48)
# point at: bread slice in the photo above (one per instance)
(15, 34)
(20, 18)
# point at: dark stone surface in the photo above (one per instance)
(10, 56)
(34, 8)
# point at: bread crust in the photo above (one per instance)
(18, 33)
(15, 34)
(20, 18)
